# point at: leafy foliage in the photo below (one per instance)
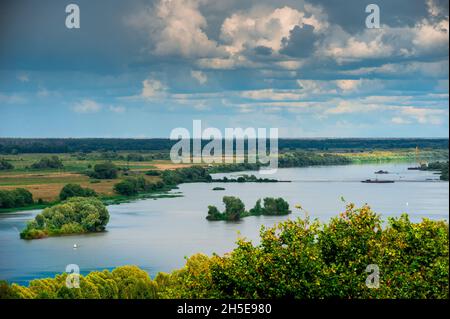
(19, 197)
(194, 174)
(439, 166)
(295, 259)
(75, 190)
(63, 145)
(235, 209)
(302, 159)
(53, 162)
(135, 185)
(106, 170)
(76, 215)
(5, 165)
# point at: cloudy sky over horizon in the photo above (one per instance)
(141, 68)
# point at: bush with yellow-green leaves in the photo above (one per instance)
(296, 259)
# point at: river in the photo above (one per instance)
(156, 234)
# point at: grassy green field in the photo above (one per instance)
(46, 184)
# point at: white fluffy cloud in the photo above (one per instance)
(199, 76)
(151, 88)
(176, 27)
(87, 106)
(259, 28)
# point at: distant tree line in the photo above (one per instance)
(62, 145)
(303, 159)
(245, 179)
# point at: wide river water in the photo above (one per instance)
(156, 234)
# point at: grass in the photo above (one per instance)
(47, 184)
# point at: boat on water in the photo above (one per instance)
(381, 172)
(377, 181)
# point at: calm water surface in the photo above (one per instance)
(157, 234)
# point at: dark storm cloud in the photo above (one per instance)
(300, 42)
(34, 36)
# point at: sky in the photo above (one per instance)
(140, 68)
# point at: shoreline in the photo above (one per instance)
(165, 193)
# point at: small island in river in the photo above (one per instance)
(77, 215)
(235, 209)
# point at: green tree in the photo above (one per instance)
(76, 215)
(75, 190)
(53, 162)
(105, 170)
(5, 165)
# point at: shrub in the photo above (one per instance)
(135, 185)
(19, 197)
(75, 190)
(153, 173)
(295, 259)
(105, 170)
(5, 165)
(52, 162)
(126, 187)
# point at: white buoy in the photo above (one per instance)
(75, 246)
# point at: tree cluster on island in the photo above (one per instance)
(245, 179)
(235, 209)
(77, 215)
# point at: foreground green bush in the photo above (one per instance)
(296, 259)
(74, 216)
